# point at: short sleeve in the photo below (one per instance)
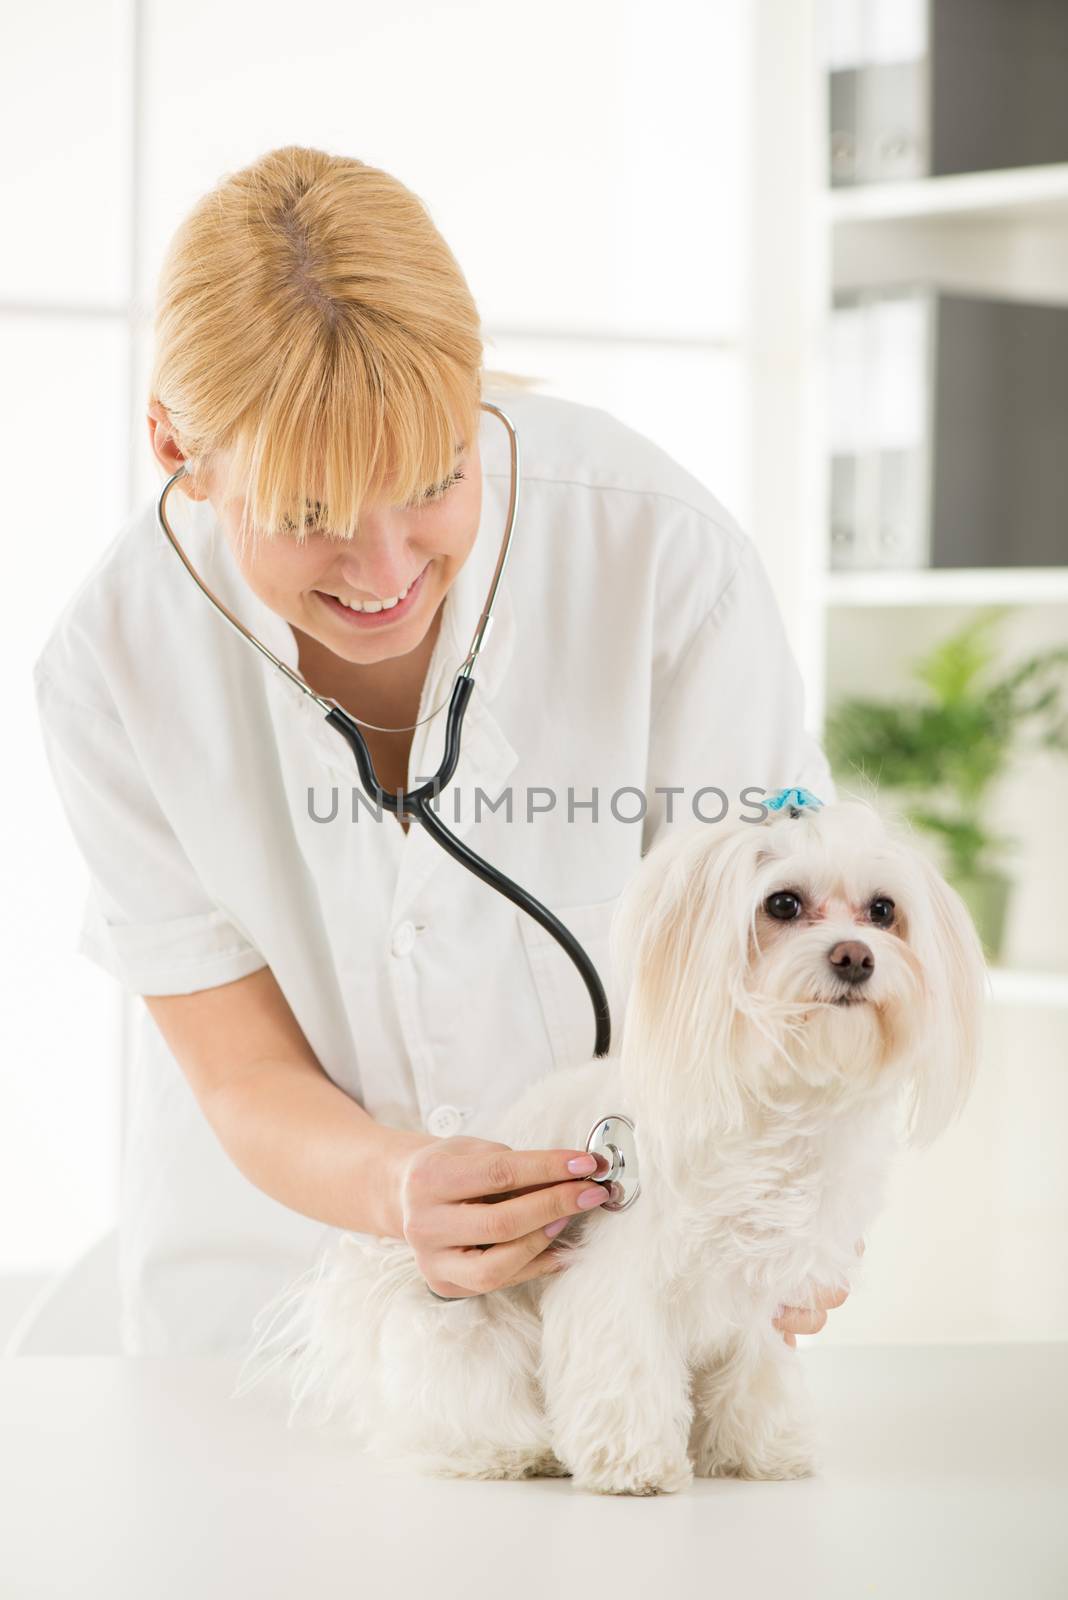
(148, 920)
(729, 713)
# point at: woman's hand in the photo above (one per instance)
(793, 1320)
(476, 1212)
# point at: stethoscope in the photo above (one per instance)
(611, 1136)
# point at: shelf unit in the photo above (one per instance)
(1003, 232)
(966, 586)
(1012, 195)
(1012, 987)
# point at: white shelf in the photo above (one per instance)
(963, 586)
(1012, 988)
(1017, 194)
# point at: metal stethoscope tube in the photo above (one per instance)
(416, 803)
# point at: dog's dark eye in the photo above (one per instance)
(783, 905)
(881, 911)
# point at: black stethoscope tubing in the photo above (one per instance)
(416, 803)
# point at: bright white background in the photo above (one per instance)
(632, 191)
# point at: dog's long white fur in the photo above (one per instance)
(767, 1117)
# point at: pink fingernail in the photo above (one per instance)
(581, 1165)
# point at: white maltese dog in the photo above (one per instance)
(786, 981)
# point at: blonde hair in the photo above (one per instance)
(316, 343)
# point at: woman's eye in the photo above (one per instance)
(442, 488)
(312, 520)
(783, 905)
(881, 911)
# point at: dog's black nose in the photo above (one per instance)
(852, 961)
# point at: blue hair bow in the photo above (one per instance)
(795, 799)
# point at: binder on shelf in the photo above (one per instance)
(925, 88)
(948, 431)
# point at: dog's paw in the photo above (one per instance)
(511, 1464)
(546, 1466)
(797, 1464)
(648, 1472)
(788, 1457)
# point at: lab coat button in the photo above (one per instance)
(444, 1121)
(403, 938)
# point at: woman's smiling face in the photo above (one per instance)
(410, 554)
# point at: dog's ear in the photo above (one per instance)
(679, 944)
(954, 984)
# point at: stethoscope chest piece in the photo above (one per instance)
(614, 1138)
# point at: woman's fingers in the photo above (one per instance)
(478, 1214)
(499, 1267)
(485, 1223)
(471, 1192)
(807, 1319)
(798, 1319)
(463, 1167)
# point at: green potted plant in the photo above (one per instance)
(947, 746)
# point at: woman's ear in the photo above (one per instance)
(165, 448)
(954, 980)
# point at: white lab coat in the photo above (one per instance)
(636, 646)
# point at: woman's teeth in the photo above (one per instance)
(373, 605)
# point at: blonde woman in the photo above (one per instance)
(333, 1007)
